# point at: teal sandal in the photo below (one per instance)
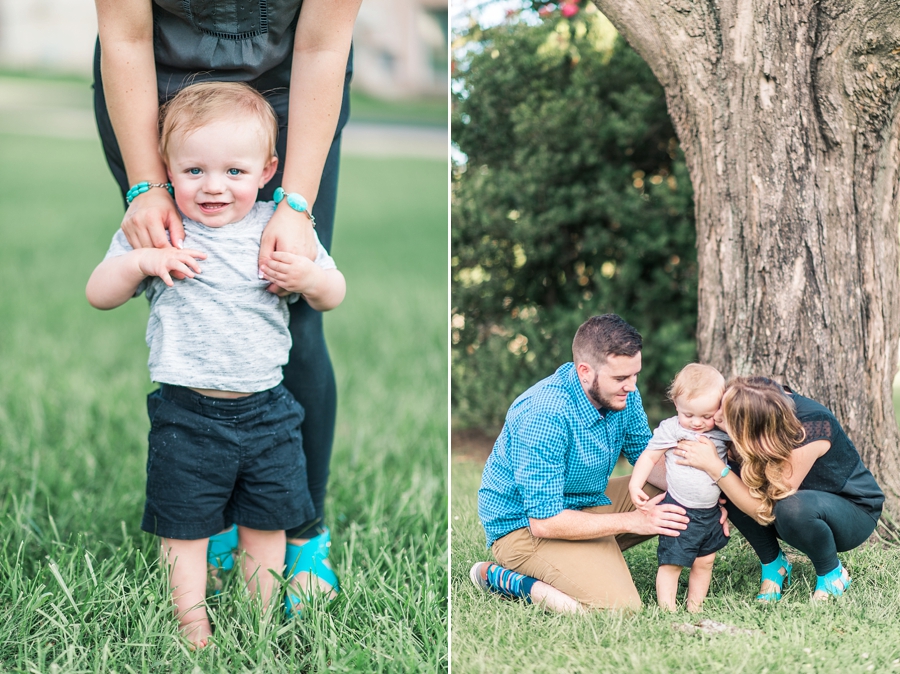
(221, 549)
(834, 583)
(772, 573)
(311, 557)
(220, 553)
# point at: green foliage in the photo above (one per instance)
(573, 200)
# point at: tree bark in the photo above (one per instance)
(789, 117)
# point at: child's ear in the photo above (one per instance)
(268, 172)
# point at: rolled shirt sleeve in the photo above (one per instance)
(637, 429)
(538, 456)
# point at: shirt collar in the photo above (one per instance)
(589, 414)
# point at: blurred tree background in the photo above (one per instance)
(570, 198)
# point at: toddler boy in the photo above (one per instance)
(225, 442)
(697, 393)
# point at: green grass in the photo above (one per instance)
(430, 111)
(80, 589)
(855, 634)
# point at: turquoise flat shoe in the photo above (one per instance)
(773, 573)
(311, 557)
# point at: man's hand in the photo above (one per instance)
(288, 232)
(161, 261)
(148, 217)
(667, 519)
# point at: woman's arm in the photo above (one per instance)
(702, 454)
(321, 49)
(129, 85)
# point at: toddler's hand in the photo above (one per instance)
(295, 273)
(638, 496)
(161, 261)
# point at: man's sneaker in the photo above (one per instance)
(478, 575)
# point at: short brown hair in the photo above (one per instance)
(199, 104)
(694, 380)
(602, 336)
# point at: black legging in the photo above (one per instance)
(817, 523)
(308, 375)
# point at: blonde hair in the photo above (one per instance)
(764, 428)
(200, 104)
(694, 380)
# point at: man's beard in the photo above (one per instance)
(600, 400)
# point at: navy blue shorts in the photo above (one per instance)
(702, 537)
(214, 462)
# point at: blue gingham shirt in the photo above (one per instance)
(556, 452)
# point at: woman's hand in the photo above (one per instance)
(148, 217)
(288, 231)
(702, 454)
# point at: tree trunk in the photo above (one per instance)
(789, 116)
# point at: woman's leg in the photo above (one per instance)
(763, 540)
(820, 525)
(309, 375)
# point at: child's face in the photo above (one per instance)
(217, 170)
(698, 414)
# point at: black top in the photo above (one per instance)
(248, 41)
(839, 470)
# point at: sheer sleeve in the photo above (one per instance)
(817, 429)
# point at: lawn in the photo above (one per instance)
(80, 590)
(856, 634)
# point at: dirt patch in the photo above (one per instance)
(471, 444)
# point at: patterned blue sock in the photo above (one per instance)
(509, 583)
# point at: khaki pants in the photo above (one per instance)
(593, 571)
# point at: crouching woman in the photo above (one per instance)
(793, 475)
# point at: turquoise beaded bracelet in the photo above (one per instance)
(145, 186)
(295, 201)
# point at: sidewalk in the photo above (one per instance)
(64, 110)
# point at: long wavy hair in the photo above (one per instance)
(764, 428)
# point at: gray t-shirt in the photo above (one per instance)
(222, 329)
(691, 487)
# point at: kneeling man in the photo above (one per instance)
(554, 520)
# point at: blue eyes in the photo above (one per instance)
(232, 171)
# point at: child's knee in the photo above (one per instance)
(704, 563)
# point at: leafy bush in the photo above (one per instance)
(572, 200)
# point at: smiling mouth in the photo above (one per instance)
(212, 206)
